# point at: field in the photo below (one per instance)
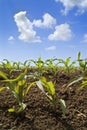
(44, 96)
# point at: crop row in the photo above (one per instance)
(19, 86)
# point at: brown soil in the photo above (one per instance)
(39, 114)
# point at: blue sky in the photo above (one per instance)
(42, 28)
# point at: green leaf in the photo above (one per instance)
(46, 87)
(72, 64)
(22, 107)
(8, 65)
(20, 77)
(61, 61)
(79, 55)
(51, 88)
(21, 91)
(84, 84)
(63, 106)
(82, 64)
(11, 110)
(67, 60)
(29, 86)
(22, 82)
(75, 81)
(3, 75)
(40, 86)
(2, 88)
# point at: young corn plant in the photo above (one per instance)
(67, 64)
(39, 64)
(51, 66)
(17, 65)
(83, 77)
(26, 64)
(49, 90)
(82, 85)
(18, 88)
(10, 67)
(6, 64)
(82, 63)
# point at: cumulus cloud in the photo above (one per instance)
(25, 27)
(70, 4)
(62, 33)
(51, 48)
(11, 38)
(85, 38)
(47, 22)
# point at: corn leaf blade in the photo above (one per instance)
(3, 75)
(63, 106)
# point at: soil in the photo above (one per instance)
(39, 113)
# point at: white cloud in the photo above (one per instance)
(70, 4)
(62, 33)
(25, 27)
(11, 38)
(85, 38)
(47, 22)
(51, 48)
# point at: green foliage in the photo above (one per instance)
(17, 65)
(82, 62)
(49, 90)
(6, 64)
(76, 80)
(17, 87)
(83, 78)
(39, 64)
(67, 64)
(3, 75)
(63, 106)
(50, 64)
(83, 84)
(26, 64)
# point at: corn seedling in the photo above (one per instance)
(39, 64)
(26, 64)
(82, 85)
(83, 79)
(17, 87)
(51, 66)
(6, 64)
(82, 62)
(9, 66)
(49, 90)
(67, 64)
(17, 65)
